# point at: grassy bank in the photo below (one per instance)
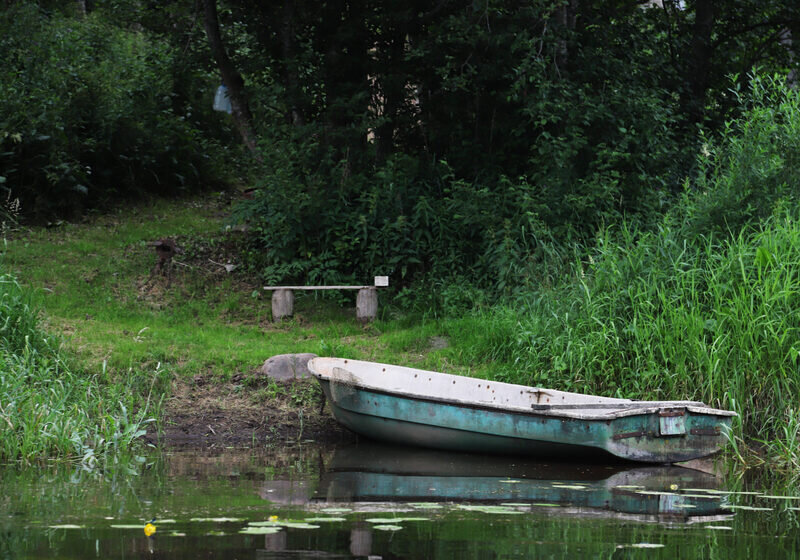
(704, 306)
(48, 410)
(646, 316)
(126, 339)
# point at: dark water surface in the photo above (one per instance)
(370, 501)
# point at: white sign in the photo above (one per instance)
(381, 281)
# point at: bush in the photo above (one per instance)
(89, 115)
(753, 169)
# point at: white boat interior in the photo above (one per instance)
(470, 391)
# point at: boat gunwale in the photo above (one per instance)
(639, 408)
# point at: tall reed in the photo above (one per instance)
(47, 410)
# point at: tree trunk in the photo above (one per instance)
(392, 92)
(230, 77)
(699, 63)
(288, 37)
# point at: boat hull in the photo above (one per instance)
(410, 421)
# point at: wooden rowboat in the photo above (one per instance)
(452, 412)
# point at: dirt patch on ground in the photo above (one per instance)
(208, 413)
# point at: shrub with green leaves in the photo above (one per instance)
(89, 115)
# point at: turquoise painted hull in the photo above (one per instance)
(435, 423)
(380, 473)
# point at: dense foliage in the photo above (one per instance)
(93, 113)
(670, 312)
(450, 140)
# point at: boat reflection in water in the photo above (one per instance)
(663, 494)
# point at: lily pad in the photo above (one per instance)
(719, 527)
(570, 486)
(781, 497)
(66, 526)
(336, 510)
(514, 504)
(510, 481)
(139, 526)
(260, 530)
(426, 505)
(491, 509)
(745, 508)
(323, 519)
(388, 527)
(291, 524)
(395, 519)
(545, 504)
(641, 545)
(216, 519)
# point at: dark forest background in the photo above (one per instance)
(475, 142)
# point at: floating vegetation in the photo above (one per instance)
(336, 510)
(67, 526)
(684, 506)
(176, 534)
(426, 505)
(388, 527)
(545, 504)
(394, 519)
(745, 508)
(514, 504)
(630, 486)
(290, 524)
(216, 519)
(781, 497)
(703, 496)
(128, 526)
(510, 481)
(260, 530)
(641, 545)
(570, 486)
(655, 493)
(719, 527)
(491, 509)
(324, 519)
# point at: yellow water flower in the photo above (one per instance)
(673, 486)
(149, 529)
(273, 518)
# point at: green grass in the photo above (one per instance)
(48, 410)
(126, 339)
(648, 315)
(654, 316)
(89, 279)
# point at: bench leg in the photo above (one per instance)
(367, 305)
(282, 304)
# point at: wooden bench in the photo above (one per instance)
(366, 300)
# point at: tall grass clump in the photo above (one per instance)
(707, 305)
(47, 410)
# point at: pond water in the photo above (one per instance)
(371, 501)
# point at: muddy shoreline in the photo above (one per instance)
(200, 414)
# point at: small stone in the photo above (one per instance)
(287, 367)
